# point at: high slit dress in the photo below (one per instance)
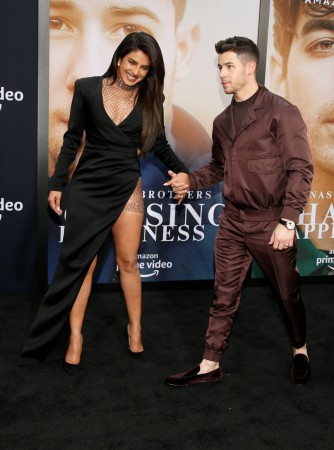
(105, 178)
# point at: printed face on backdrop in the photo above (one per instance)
(308, 82)
(83, 37)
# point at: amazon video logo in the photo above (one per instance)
(150, 265)
(10, 96)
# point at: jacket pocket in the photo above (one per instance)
(265, 165)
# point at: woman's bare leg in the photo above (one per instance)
(126, 232)
(77, 315)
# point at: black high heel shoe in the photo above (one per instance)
(69, 368)
(138, 355)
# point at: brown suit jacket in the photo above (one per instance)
(267, 164)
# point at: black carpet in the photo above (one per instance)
(116, 402)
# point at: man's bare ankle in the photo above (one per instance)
(208, 366)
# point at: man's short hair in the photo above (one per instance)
(242, 46)
(286, 13)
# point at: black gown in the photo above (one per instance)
(104, 179)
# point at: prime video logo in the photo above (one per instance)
(10, 96)
(9, 206)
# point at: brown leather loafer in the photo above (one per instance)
(301, 369)
(192, 377)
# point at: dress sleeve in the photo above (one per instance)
(164, 152)
(71, 142)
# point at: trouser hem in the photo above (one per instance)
(297, 345)
(212, 355)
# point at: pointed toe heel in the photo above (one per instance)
(136, 355)
(75, 353)
(69, 368)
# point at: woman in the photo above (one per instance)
(121, 114)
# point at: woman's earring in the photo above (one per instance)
(119, 63)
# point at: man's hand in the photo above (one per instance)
(282, 238)
(179, 183)
(54, 201)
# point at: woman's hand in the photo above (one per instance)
(54, 201)
(179, 183)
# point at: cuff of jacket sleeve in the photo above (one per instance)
(192, 182)
(290, 213)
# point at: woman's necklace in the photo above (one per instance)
(120, 83)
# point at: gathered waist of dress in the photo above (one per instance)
(96, 159)
(114, 147)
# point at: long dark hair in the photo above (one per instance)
(150, 93)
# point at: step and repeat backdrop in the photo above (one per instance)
(177, 241)
(18, 145)
(296, 40)
(300, 68)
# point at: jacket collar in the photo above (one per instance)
(228, 122)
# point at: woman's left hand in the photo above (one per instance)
(54, 199)
(179, 183)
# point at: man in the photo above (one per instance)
(260, 150)
(302, 72)
(83, 37)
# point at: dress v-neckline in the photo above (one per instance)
(105, 111)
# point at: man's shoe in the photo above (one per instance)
(301, 369)
(192, 377)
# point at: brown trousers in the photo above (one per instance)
(242, 236)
